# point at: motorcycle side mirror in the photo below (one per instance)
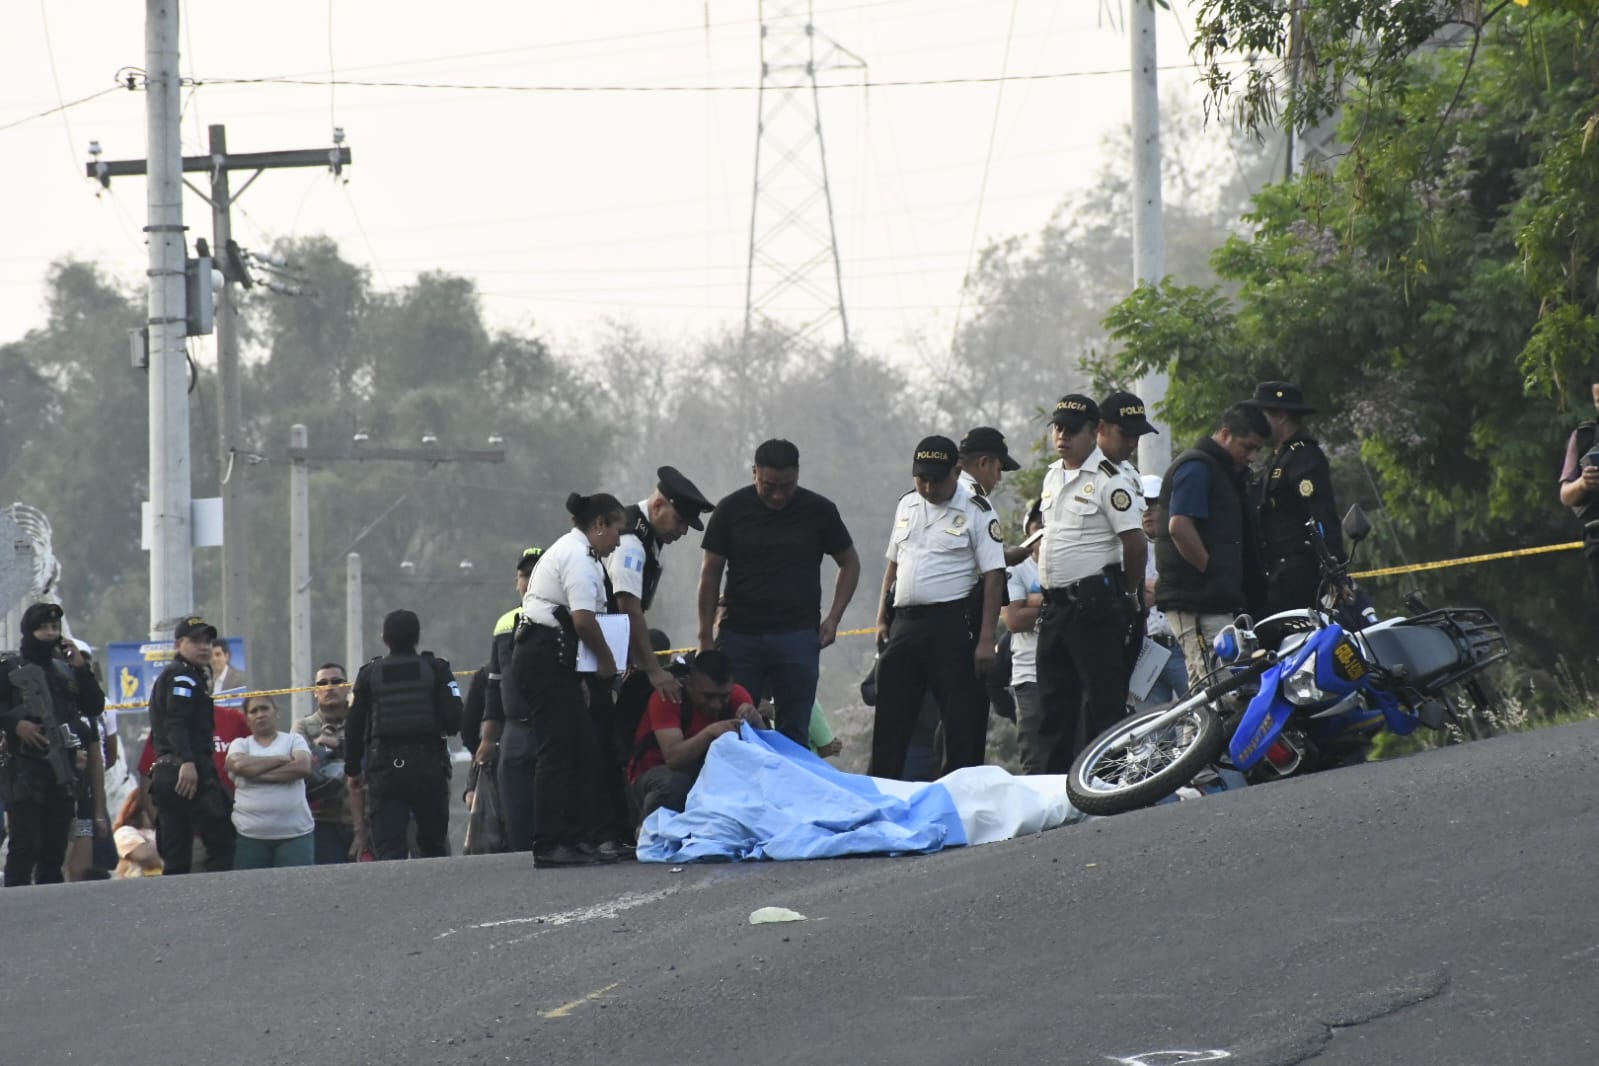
(1356, 526)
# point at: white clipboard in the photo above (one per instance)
(617, 629)
(1151, 661)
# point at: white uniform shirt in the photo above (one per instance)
(970, 484)
(626, 564)
(1085, 512)
(943, 549)
(568, 575)
(1023, 581)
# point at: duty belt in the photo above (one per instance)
(1092, 589)
(925, 610)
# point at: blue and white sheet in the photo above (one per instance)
(761, 796)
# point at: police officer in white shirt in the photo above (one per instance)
(565, 595)
(935, 620)
(1121, 422)
(1092, 568)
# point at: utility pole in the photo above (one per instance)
(1149, 242)
(354, 617)
(300, 457)
(1292, 150)
(236, 618)
(299, 573)
(171, 551)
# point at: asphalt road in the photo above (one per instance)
(1437, 909)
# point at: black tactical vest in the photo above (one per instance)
(638, 524)
(1220, 589)
(402, 698)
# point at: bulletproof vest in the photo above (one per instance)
(1587, 435)
(402, 698)
(1220, 589)
(637, 524)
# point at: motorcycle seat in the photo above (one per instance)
(1425, 654)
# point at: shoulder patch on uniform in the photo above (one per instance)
(981, 502)
(908, 493)
(1307, 488)
(1121, 499)
(993, 531)
(1109, 468)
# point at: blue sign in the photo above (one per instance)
(132, 667)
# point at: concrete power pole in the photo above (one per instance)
(299, 573)
(171, 551)
(235, 618)
(1149, 242)
(354, 615)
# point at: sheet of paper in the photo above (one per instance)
(617, 629)
(1151, 660)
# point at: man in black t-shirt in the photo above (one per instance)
(770, 537)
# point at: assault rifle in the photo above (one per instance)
(33, 694)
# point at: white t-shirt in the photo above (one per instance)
(1021, 581)
(1157, 625)
(271, 810)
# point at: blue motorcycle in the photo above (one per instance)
(1300, 691)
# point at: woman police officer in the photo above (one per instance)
(566, 592)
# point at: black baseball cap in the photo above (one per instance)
(935, 457)
(986, 440)
(684, 496)
(1075, 406)
(1280, 396)
(1127, 411)
(195, 627)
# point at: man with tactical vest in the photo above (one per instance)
(1579, 485)
(185, 785)
(507, 744)
(1206, 553)
(50, 704)
(1296, 488)
(404, 705)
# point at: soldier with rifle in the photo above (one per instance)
(49, 704)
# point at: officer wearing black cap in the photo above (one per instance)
(1295, 488)
(402, 707)
(1091, 565)
(188, 797)
(635, 567)
(984, 460)
(1122, 420)
(943, 588)
(50, 704)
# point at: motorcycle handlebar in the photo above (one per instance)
(1262, 662)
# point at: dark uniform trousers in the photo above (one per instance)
(929, 651)
(570, 805)
(1082, 669)
(39, 816)
(1292, 583)
(177, 820)
(406, 780)
(518, 751)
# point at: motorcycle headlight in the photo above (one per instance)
(1300, 686)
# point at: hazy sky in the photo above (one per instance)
(570, 207)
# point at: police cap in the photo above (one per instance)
(39, 614)
(685, 498)
(1127, 411)
(986, 440)
(195, 627)
(1075, 407)
(935, 457)
(1280, 396)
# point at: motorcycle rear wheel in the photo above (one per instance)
(1112, 777)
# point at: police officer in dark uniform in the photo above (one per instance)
(40, 772)
(1295, 487)
(942, 592)
(188, 796)
(507, 745)
(404, 705)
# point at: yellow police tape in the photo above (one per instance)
(1387, 571)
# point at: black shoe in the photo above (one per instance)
(622, 852)
(561, 855)
(597, 855)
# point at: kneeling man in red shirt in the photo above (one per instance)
(672, 738)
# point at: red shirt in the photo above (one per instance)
(661, 714)
(229, 725)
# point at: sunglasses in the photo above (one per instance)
(326, 681)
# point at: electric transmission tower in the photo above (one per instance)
(794, 283)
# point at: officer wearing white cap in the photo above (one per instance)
(1091, 566)
(635, 567)
(935, 620)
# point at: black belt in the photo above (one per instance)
(1166, 640)
(1094, 588)
(927, 610)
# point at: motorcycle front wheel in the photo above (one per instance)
(1114, 775)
